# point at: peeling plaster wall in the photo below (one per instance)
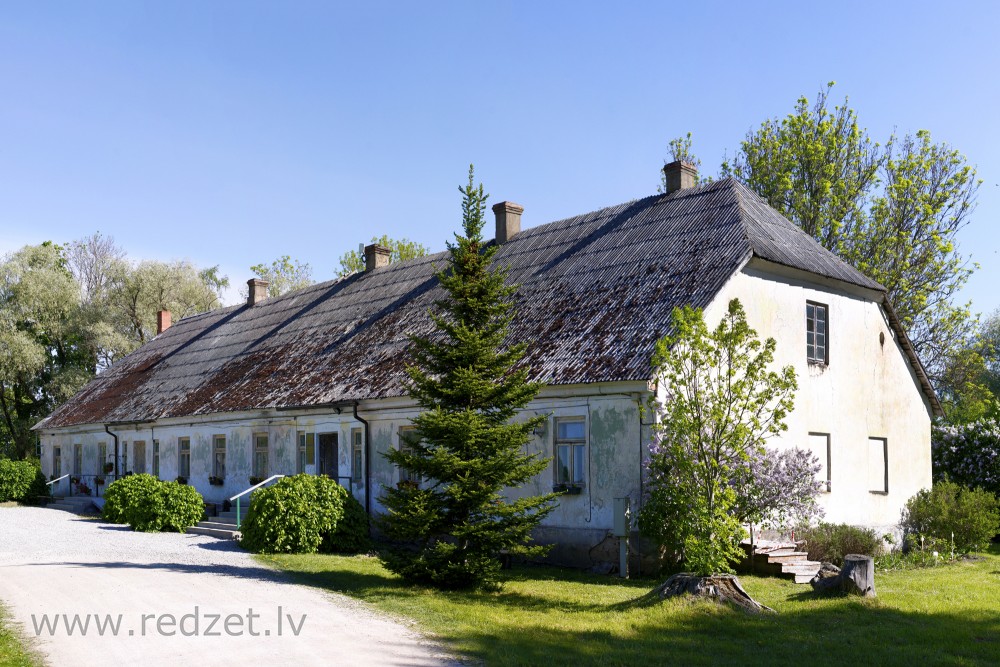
(579, 522)
(868, 390)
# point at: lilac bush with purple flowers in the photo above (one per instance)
(968, 454)
(778, 488)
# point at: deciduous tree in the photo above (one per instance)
(721, 402)
(893, 210)
(400, 249)
(284, 275)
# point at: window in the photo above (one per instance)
(57, 461)
(406, 434)
(571, 451)
(357, 448)
(878, 465)
(139, 456)
(77, 459)
(817, 338)
(219, 456)
(156, 458)
(307, 450)
(819, 444)
(102, 456)
(260, 455)
(184, 457)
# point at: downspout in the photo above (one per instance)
(368, 467)
(108, 431)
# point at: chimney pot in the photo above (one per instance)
(508, 220)
(257, 291)
(376, 256)
(162, 321)
(680, 176)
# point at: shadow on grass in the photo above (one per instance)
(518, 628)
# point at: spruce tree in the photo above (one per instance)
(452, 528)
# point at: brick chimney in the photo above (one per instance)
(257, 291)
(680, 176)
(376, 256)
(508, 220)
(162, 321)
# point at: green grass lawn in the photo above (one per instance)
(13, 652)
(947, 615)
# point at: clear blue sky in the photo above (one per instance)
(233, 132)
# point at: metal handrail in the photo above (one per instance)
(251, 489)
(57, 480)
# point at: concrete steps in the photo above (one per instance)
(74, 504)
(781, 559)
(223, 526)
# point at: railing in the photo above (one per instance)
(250, 490)
(58, 479)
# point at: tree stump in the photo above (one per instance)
(718, 587)
(857, 576)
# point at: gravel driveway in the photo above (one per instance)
(178, 599)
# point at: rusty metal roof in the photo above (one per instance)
(596, 292)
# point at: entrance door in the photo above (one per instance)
(328, 455)
(139, 456)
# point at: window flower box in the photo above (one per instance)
(109, 467)
(254, 481)
(181, 479)
(216, 481)
(568, 489)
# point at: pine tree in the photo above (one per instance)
(452, 527)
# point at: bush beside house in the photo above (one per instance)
(21, 481)
(952, 516)
(293, 515)
(151, 505)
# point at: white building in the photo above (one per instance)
(311, 381)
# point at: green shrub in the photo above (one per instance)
(830, 542)
(39, 488)
(972, 516)
(351, 534)
(293, 515)
(150, 505)
(17, 479)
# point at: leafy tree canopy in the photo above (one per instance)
(721, 402)
(400, 249)
(284, 275)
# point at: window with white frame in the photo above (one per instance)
(571, 451)
(817, 333)
(260, 463)
(878, 465)
(219, 456)
(406, 442)
(357, 454)
(184, 457)
(307, 450)
(56, 461)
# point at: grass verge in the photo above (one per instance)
(14, 651)
(947, 615)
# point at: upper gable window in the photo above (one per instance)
(817, 333)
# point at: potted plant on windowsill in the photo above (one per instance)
(98, 481)
(216, 481)
(568, 489)
(181, 479)
(254, 481)
(109, 467)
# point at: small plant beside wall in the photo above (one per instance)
(254, 481)
(181, 479)
(108, 468)
(98, 481)
(216, 481)
(82, 489)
